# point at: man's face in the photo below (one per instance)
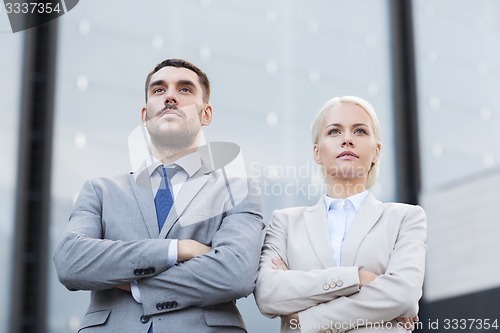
(175, 111)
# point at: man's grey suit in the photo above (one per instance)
(113, 238)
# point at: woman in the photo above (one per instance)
(350, 261)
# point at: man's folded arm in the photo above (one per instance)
(85, 261)
(225, 273)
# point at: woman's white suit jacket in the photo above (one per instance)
(385, 238)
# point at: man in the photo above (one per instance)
(181, 269)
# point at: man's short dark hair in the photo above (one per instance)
(180, 63)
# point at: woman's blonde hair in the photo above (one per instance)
(365, 105)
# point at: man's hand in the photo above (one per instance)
(188, 249)
(365, 277)
(125, 287)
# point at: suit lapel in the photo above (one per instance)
(141, 186)
(317, 229)
(369, 213)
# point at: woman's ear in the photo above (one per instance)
(316, 155)
(376, 156)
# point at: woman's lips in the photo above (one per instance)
(347, 155)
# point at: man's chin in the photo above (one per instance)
(173, 140)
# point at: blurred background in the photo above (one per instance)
(431, 68)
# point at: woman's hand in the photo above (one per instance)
(290, 317)
(365, 277)
(278, 263)
(407, 323)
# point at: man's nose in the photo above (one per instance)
(170, 97)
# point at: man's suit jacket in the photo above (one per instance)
(385, 238)
(113, 238)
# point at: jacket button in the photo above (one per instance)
(333, 284)
(144, 319)
(137, 271)
(150, 270)
(174, 304)
(326, 286)
(339, 283)
(159, 306)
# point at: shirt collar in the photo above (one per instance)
(190, 163)
(356, 200)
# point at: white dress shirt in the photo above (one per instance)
(341, 213)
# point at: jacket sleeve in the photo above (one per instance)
(224, 274)
(392, 294)
(86, 261)
(281, 292)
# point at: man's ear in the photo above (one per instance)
(206, 115)
(143, 115)
(317, 158)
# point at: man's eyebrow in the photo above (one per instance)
(186, 83)
(179, 83)
(157, 83)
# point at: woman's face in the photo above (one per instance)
(346, 146)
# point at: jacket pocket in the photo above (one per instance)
(95, 319)
(220, 317)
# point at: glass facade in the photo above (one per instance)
(457, 54)
(458, 82)
(10, 95)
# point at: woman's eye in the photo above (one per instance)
(360, 131)
(333, 131)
